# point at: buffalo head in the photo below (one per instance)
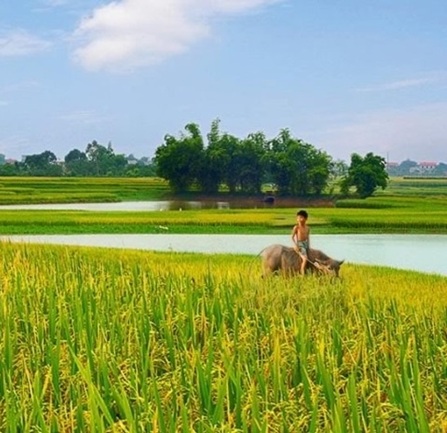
(329, 266)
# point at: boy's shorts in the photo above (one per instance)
(303, 246)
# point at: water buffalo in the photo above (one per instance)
(285, 259)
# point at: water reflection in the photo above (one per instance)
(160, 205)
(425, 253)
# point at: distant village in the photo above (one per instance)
(413, 168)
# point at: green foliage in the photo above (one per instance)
(103, 161)
(186, 162)
(366, 174)
(180, 160)
(43, 164)
(298, 168)
(243, 165)
(251, 163)
(97, 160)
(216, 161)
(76, 163)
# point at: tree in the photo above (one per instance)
(320, 169)
(180, 160)
(103, 161)
(279, 164)
(14, 169)
(366, 174)
(405, 167)
(76, 163)
(251, 162)
(441, 169)
(339, 168)
(296, 167)
(228, 156)
(99, 157)
(239, 164)
(215, 161)
(42, 164)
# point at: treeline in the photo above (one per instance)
(292, 166)
(221, 162)
(96, 160)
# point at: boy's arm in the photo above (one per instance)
(294, 233)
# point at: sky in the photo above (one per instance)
(346, 76)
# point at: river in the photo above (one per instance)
(424, 253)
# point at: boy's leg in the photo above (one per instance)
(303, 264)
(297, 250)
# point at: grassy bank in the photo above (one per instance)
(416, 219)
(103, 340)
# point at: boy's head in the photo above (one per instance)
(302, 213)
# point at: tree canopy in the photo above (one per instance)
(241, 165)
(366, 174)
(96, 160)
(298, 168)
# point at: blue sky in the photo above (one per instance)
(344, 75)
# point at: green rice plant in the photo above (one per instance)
(123, 341)
(419, 219)
(25, 190)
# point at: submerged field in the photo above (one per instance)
(104, 340)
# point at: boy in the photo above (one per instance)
(300, 238)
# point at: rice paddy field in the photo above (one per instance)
(102, 340)
(29, 190)
(399, 209)
(97, 340)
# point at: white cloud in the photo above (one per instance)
(85, 117)
(127, 34)
(418, 133)
(430, 78)
(21, 43)
(232, 6)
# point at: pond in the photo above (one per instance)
(144, 206)
(424, 253)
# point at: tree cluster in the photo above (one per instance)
(219, 162)
(97, 160)
(243, 165)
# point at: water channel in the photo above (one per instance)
(160, 205)
(424, 253)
